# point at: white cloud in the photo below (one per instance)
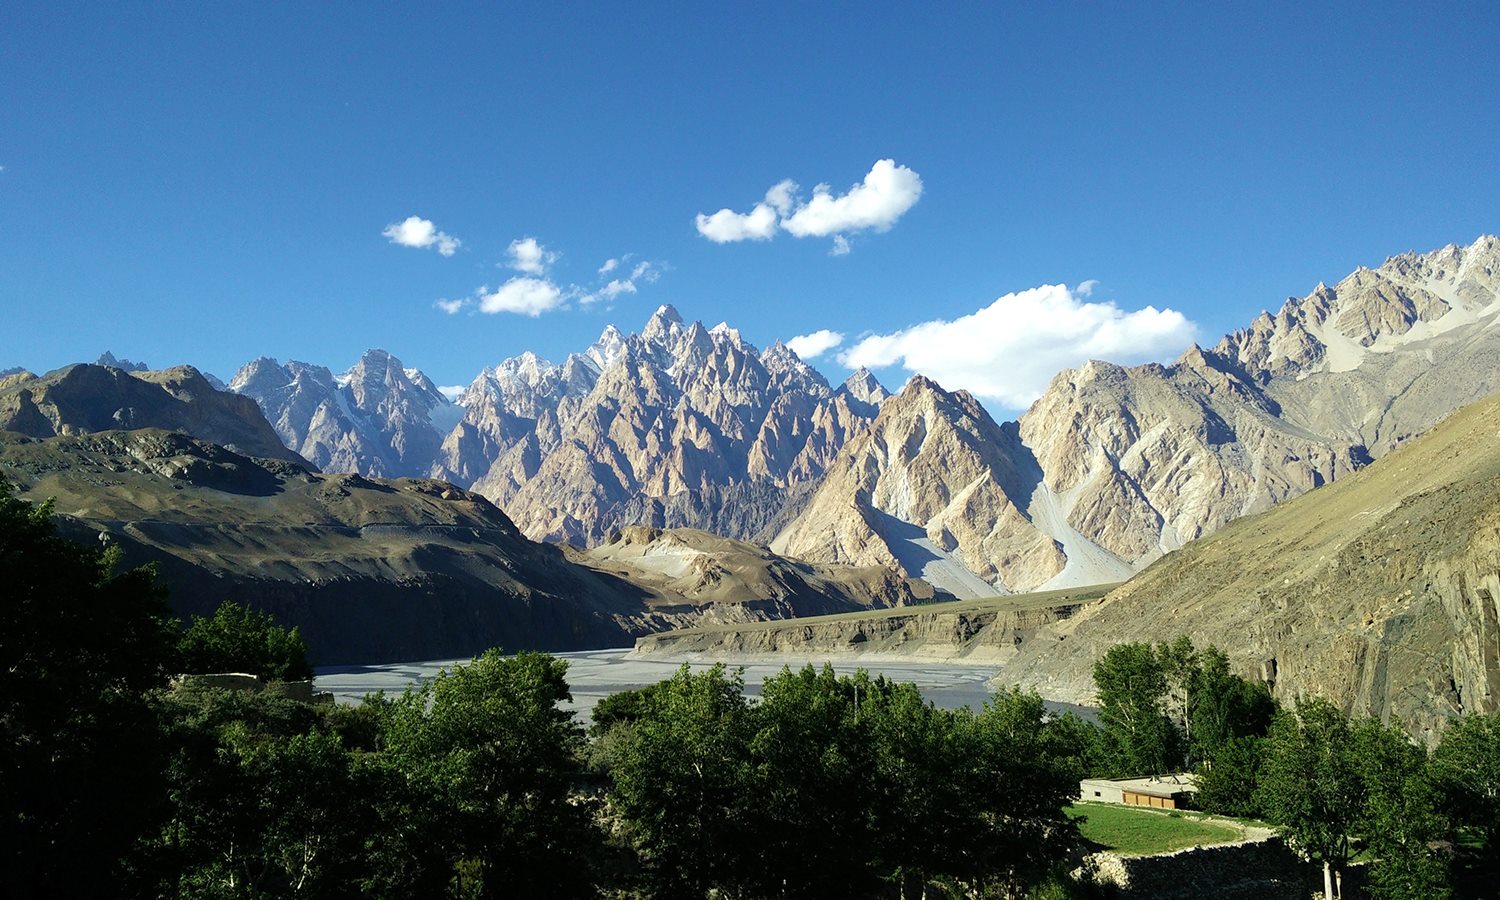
(418, 232)
(727, 226)
(884, 196)
(451, 306)
(645, 269)
(452, 391)
(876, 203)
(529, 256)
(782, 196)
(609, 266)
(1008, 351)
(523, 296)
(1086, 289)
(809, 346)
(617, 287)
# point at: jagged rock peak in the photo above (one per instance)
(109, 359)
(664, 326)
(862, 385)
(606, 350)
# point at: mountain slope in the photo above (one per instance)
(936, 488)
(1142, 460)
(379, 570)
(1380, 590)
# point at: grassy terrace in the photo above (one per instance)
(1134, 831)
(1005, 602)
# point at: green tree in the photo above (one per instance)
(1312, 784)
(1223, 706)
(240, 639)
(1399, 821)
(679, 784)
(80, 644)
(1139, 737)
(1025, 769)
(1466, 775)
(1229, 781)
(265, 802)
(489, 745)
(809, 787)
(1229, 717)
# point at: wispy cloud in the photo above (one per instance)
(876, 203)
(811, 346)
(418, 232)
(537, 291)
(1008, 351)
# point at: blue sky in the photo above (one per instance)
(207, 183)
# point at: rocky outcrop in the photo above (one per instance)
(1380, 591)
(982, 633)
(83, 399)
(737, 581)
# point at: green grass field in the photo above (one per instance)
(1139, 832)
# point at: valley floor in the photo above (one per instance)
(595, 674)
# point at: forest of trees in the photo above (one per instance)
(480, 784)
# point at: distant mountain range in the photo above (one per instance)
(686, 426)
(679, 425)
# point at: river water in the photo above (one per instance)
(595, 674)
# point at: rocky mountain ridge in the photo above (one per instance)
(679, 425)
(378, 419)
(1114, 466)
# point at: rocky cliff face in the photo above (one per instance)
(377, 419)
(87, 398)
(678, 426)
(1380, 591)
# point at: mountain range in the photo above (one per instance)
(686, 426)
(693, 475)
(677, 426)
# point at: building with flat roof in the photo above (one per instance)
(1166, 792)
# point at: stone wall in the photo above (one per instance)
(1254, 870)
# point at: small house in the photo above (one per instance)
(1164, 792)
